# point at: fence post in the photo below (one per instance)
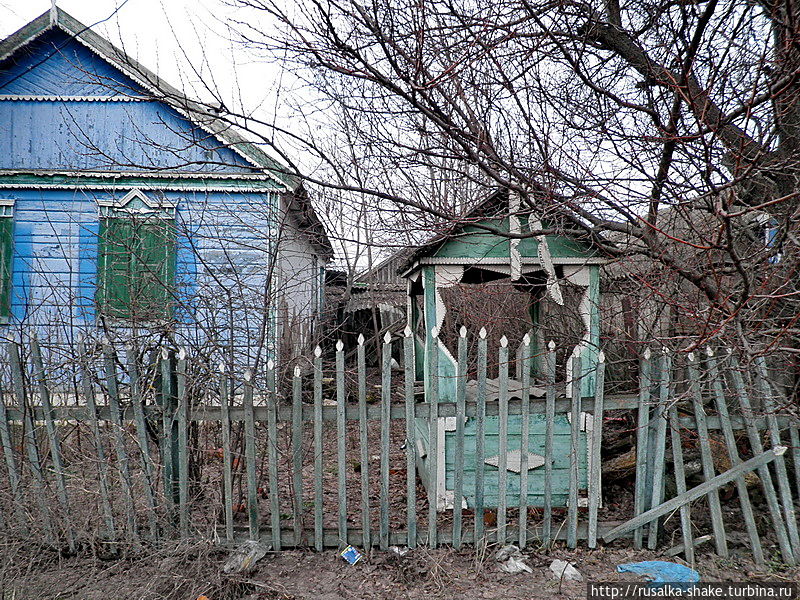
(502, 456)
(733, 453)
(55, 442)
(458, 483)
(102, 465)
(297, 454)
(183, 444)
(660, 444)
(227, 474)
(118, 437)
(595, 487)
(642, 445)
(318, 465)
(433, 437)
(550, 415)
(272, 455)
(141, 436)
(341, 433)
(411, 437)
(480, 425)
(250, 457)
(386, 405)
(363, 438)
(575, 428)
(706, 458)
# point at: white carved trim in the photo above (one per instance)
(514, 461)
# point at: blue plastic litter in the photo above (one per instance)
(351, 555)
(659, 571)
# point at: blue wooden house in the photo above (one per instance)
(127, 209)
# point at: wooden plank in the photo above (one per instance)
(253, 516)
(411, 437)
(502, 456)
(680, 484)
(210, 413)
(55, 442)
(386, 404)
(458, 481)
(524, 440)
(480, 428)
(433, 437)
(227, 473)
(182, 394)
(117, 434)
(596, 441)
(363, 438)
(297, 451)
(642, 443)
(733, 453)
(659, 450)
(11, 464)
(785, 490)
(575, 429)
(102, 464)
(401, 538)
(148, 470)
(272, 455)
(318, 458)
(550, 416)
(168, 457)
(706, 458)
(29, 440)
(695, 493)
(794, 438)
(786, 542)
(341, 434)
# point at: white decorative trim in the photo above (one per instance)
(514, 461)
(46, 98)
(7, 207)
(109, 207)
(166, 175)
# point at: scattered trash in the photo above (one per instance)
(351, 555)
(398, 550)
(245, 557)
(512, 560)
(562, 569)
(659, 571)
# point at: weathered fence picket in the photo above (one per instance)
(550, 415)
(640, 503)
(706, 458)
(363, 441)
(318, 444)
(733, 453)
(494, 447)
(55, 442)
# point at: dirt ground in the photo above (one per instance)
(193, 571)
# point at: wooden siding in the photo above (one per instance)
(55, 64)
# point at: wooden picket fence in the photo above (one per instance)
(143, 453)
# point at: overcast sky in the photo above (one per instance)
(166, 36)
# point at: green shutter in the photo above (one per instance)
(6, 226)
(136, 268)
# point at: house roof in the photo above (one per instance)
(194, 111)
(494, 205)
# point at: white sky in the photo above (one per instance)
(172, 37)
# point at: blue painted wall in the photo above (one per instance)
(226, 239)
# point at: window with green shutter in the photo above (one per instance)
(6, 249)
(136, 260)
